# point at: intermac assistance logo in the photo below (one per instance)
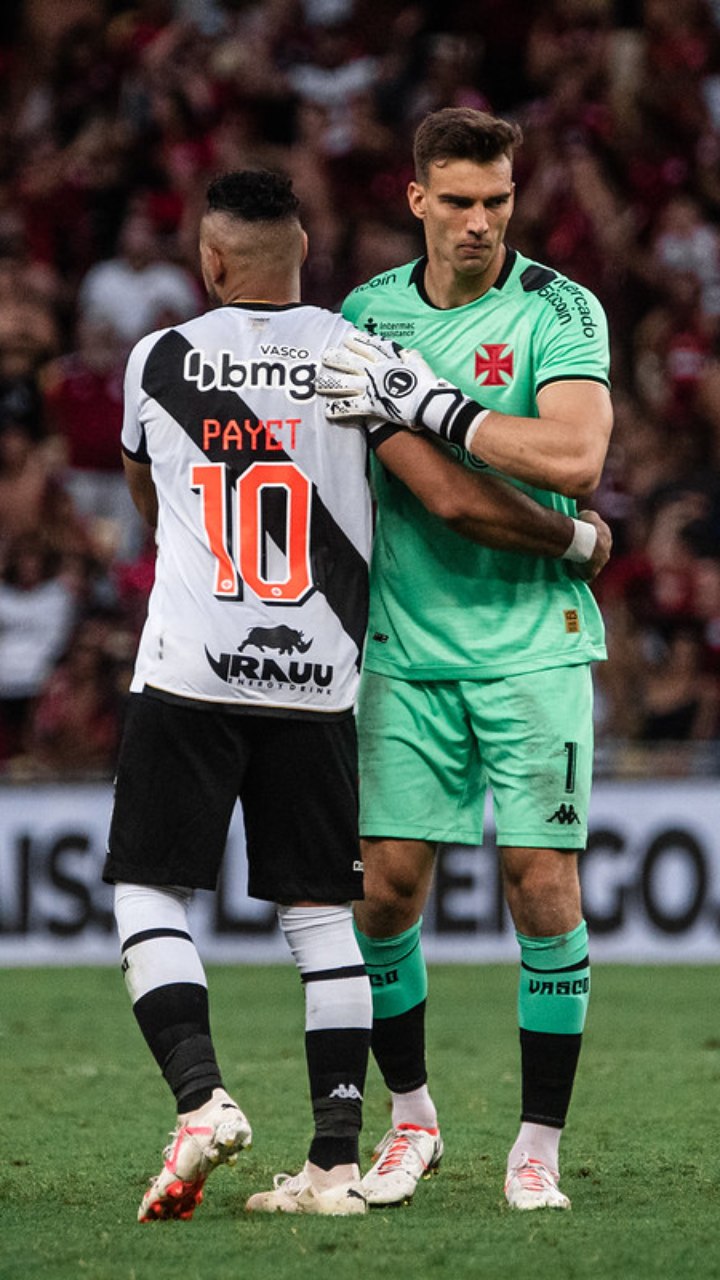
(494, 364)
(399, 330)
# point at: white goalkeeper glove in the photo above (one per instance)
(370, 377)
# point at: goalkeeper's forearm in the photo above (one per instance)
(483, 508)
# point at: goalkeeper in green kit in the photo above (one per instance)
(477, 666)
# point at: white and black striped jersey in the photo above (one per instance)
(264, 528)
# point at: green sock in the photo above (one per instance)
(396, 968)
(554, 982)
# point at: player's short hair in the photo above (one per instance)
(255, 195)
(462, 133)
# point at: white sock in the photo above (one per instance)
(540, 1141)
(157, 947)
(416, 1107)
(324, 947)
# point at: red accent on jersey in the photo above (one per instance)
(494, 364)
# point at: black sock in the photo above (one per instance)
(174, 1020)
(549, 1062)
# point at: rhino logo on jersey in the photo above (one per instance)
(244, 670)
(284, 639)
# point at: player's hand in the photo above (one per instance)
(343, 379)
(603, 547)
(368, 376)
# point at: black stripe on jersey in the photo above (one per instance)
(148, 935)
(572, 377)
(138, 455)
(535, 277)
(331, 975)
(339, 570)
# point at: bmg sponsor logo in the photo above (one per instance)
(224, 372)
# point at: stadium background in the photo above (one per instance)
(113, 117)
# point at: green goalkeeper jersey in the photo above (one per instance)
(442, 607)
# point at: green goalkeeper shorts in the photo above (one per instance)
(430, 749)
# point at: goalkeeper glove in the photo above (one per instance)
(370, 377)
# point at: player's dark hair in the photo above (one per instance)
(255, 195)
(462, 133)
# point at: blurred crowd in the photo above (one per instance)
(114, 116)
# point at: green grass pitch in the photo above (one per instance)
(85, 1116)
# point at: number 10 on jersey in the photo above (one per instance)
(235, 523)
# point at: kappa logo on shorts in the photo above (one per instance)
(565, 815)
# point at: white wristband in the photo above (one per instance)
(583, 542)
(470, 433)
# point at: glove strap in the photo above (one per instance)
(446, 411)
(476, 422)
(465, 418)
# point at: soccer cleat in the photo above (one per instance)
(532, 1185)
(307, 1192)
(211, 1136)
(404, 1156)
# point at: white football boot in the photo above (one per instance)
(211, 1136)
(404, 1156)
(311, 1191)
(531, 1184)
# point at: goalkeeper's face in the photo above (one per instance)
(465, 208)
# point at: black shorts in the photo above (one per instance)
(180, 772)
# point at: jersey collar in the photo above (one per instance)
(264, 306)
(417, 275)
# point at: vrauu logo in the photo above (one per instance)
(244, 669)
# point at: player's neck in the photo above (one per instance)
(267, 301)
(275, 292)
(446, 288)
(267, 297)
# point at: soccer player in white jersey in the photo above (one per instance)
(477, 669)
(247, 672)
